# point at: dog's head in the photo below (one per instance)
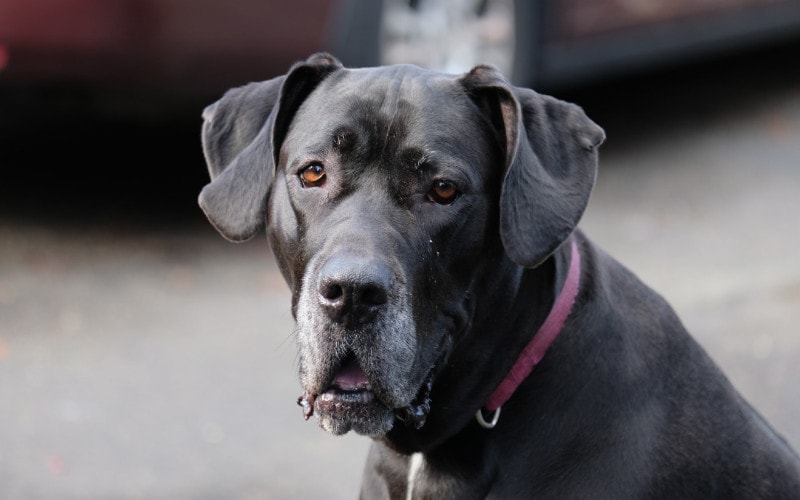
(390, 195)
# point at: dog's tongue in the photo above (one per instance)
(351, 377)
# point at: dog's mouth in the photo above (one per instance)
(350, 402)
(350, 387)
(349, 397)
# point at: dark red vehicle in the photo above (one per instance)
(205, 46)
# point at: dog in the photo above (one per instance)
(448, 307)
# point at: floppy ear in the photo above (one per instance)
(242, 135)
(550, 163)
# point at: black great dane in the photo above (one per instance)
(447, 306)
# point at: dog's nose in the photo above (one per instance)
(352, 290)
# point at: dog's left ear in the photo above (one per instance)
(550, 151)
(242, 136)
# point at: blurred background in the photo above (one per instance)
(141, 356)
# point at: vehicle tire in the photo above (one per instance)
(445, 35)
(450, 36)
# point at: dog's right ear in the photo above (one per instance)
(242, 136)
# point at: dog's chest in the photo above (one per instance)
(423, 480)
(414, 466)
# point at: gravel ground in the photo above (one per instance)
(140, 362)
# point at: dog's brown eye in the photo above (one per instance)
(313, 175)
(443, 192)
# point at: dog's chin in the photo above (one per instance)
(359, 412)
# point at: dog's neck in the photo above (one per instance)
(537, 347)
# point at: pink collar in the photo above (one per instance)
(537, 347)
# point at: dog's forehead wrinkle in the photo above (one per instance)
(399, 81)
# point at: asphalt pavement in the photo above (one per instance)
(158, 361)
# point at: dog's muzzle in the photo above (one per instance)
(358, 348)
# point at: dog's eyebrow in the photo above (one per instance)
(422, 161)
(343, 139)
(416, 158)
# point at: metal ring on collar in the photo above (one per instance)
(482, 421)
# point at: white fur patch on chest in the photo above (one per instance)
(415, 465)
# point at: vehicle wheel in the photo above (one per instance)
(449, 35)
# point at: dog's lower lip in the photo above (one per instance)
(333, 399)
(337, 396)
